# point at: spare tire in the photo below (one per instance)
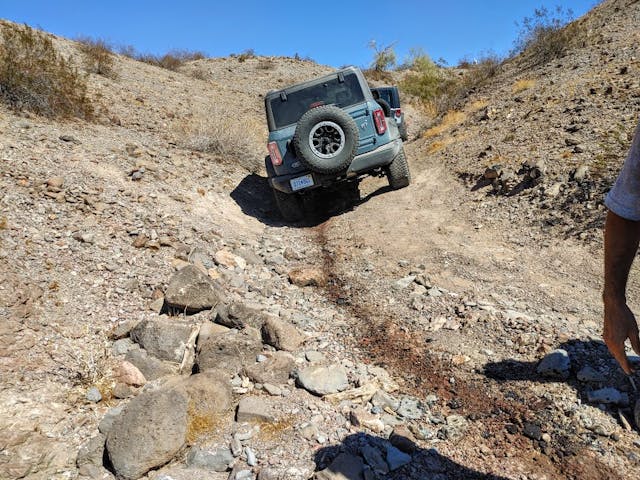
(386, 108)
(326, 139)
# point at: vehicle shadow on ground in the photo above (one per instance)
(361, 456)
(582, 354)
(254, 196)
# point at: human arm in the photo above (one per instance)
(621, 238)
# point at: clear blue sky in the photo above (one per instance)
(331, 32)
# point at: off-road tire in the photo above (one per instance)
(290, 205)
(403, 132)
(386, 108)
(326, 139)
(397, 172)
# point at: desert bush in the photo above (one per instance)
(172, 60)
(213, 130)
(35, 77)
(384, 57)
(545, 35)
(443, 89)
(98, 56)
(248, 53)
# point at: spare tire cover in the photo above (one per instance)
(326, 139)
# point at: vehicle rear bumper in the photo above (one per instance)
(380, 157)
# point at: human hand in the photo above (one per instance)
(620, 324)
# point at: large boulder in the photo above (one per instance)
(191, 290)
(157, 424)
(151, 367)
(163, 339)
(230, 351)
(148, 433)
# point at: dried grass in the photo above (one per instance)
(453, 118)
(522, 85)
(214, 130)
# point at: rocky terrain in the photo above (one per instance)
(160, 321)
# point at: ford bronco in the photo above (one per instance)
(325, 132)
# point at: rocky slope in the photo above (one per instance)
(160, 321)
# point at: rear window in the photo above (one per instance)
(384, 94)
(331, 92)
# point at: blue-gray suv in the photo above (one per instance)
(327, 131)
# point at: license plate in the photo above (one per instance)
(301, 182)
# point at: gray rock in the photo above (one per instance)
(314, 356)
(236, 447)
(344, 467)
(190, 290)
(404, 282)
(384, 400)
(92, 451)
(153, 427)
(149, 432)
(93, 395)
(608, 395)
(122, 346)
(240, 314)
(375, 460)
(581, 173)
(251, 457)
(151, 367)
(411, 408)
(163, 339)
(280, 334)
(275, 370)
(231, 351)
(254, 409)
(244, 475)
(107, 420)
(589, 374)
(219, 460)
(323, 380)
(396, 458)
(555, 365)
(455, 427)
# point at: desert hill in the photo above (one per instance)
(447, 330)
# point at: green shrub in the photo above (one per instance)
(98, 56)
(35, 77)
(442, 88)
(545, 36)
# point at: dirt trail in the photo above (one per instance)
(552, 284)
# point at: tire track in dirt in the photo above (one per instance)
(389, 344)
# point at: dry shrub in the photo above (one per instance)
(172, 60)
(522, 85)
(98, 56)
(451, 119)
(213, 130)
(266, 64)
(36, 78)
(546, 35)
(247, 54)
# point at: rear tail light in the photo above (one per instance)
(398, 112)
(378, 118)
(274, 153)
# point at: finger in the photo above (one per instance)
(635, 341)
(617, 350)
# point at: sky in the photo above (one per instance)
(330, 32)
